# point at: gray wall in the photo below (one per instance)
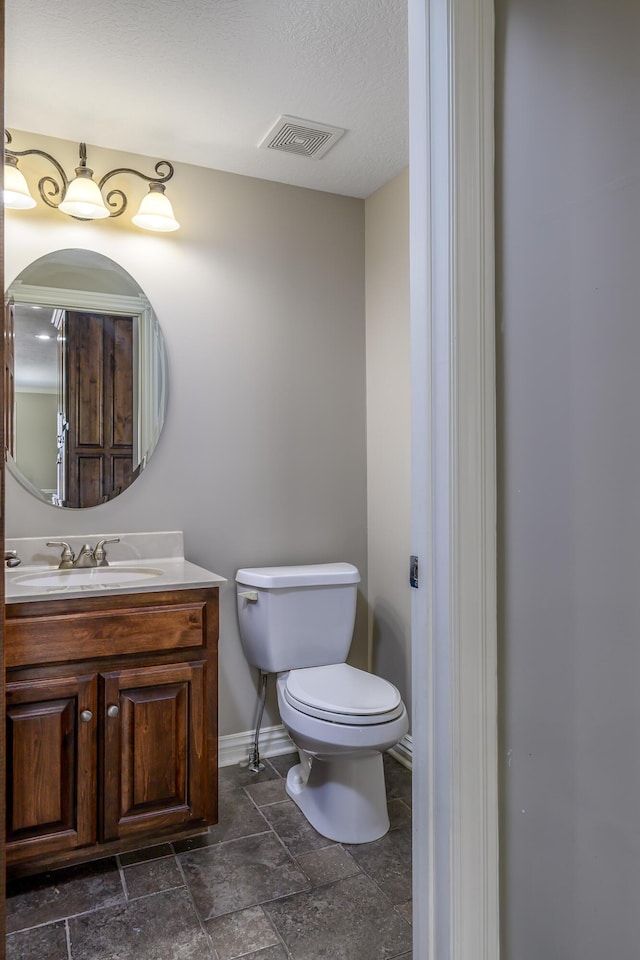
(389, 431)
(568, 146)
(260, 297)
(36, 423)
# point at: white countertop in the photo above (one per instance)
(160, 553)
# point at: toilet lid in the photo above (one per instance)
(343, 694)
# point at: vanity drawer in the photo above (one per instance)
(50, 638)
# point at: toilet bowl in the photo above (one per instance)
(339, 782)
(297, 622)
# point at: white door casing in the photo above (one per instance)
(454, 628)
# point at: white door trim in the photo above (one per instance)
(454, 631)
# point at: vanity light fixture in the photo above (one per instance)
(81, 197)
(16, 189)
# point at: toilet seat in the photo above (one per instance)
(343, 694)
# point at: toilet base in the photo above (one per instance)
(343, 797)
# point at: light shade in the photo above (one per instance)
(83, 198)
(156, 212)
(16, 190)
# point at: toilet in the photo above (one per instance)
(297, 622)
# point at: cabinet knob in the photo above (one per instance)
(86, 716)
(113, 710)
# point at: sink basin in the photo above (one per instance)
(88, 577)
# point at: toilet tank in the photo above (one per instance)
(296, 616)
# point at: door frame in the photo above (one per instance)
(454, 616)
(2, 537)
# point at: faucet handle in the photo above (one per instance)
(67, 558)
(99, 551)
(11, 558)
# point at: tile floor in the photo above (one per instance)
(261, 884)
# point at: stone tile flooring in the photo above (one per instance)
(261, 884)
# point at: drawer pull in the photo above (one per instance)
(113, 710)
(86, 716)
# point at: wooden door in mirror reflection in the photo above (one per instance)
(96, 444)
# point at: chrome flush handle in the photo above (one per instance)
(251, 596)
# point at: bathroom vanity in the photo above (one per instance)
(111, 700)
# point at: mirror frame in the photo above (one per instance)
(137, 306)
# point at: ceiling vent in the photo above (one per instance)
(302, 137)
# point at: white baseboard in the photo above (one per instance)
(403, 752)
(274, 741)
(237, 747)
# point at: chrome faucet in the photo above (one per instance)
(11, 558)
(67, 558)
(99, 551)
(88, 556)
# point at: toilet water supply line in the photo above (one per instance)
(254, 763)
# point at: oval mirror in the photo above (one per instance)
(86, 379)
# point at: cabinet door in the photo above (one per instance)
(51, 765)
(154, 748)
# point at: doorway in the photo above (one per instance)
(454, 630)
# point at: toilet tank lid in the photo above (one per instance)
(303, 575)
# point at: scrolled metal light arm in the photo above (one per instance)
(52, 191)
(46, 181)
(120, 195)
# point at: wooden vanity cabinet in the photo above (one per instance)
(51, 761)
(153, 749)
(111, 724)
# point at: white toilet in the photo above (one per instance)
(297, 621)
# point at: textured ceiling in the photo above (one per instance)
(202, 81)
